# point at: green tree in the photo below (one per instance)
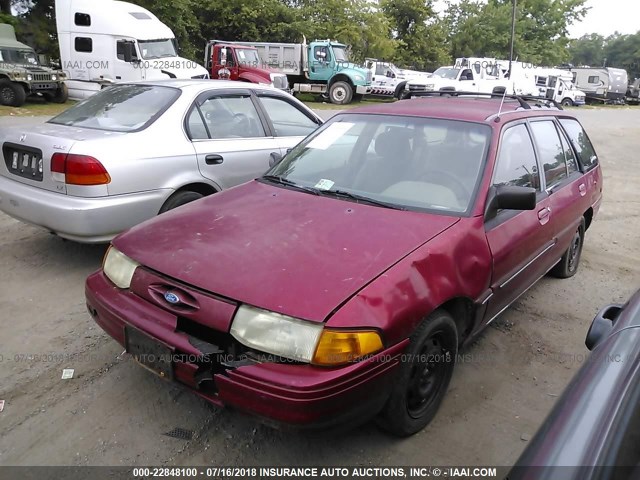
(587, 50)
(421, 36)
(481, 29)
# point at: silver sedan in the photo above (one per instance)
(133, 151)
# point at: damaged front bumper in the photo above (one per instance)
(210, 362)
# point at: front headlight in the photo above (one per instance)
(119, 268)
(301, 340)
(277, 334)
(54, 77)
(29, 78)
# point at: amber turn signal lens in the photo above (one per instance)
(337, 347)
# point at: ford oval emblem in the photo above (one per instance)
(172, 298)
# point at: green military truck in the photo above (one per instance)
(22, 75)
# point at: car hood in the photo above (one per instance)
(279, 249)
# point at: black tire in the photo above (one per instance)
(357, 97)
(399, 90)
(566, 102)
(568, 264)
(12, 94)
(446, 94)
(61, 95)
(178, 199)
(340, 93)
(424, 376)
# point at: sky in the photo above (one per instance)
(604, 17)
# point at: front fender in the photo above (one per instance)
(351, 73)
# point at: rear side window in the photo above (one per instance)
(593, 79)
(84, 44)
(551, 152)
(572, 163)
(287, 120)
(517, 160)
(82, 19)
(581, 143)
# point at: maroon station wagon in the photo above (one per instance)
(341, 284)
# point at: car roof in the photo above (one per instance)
(200, 83)
(474, 109)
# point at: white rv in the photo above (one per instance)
(557, 84)
(107, 41)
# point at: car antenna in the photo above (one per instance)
(513, 34)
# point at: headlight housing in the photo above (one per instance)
(358, 78)
(300, 340)
(54, 77)
(118, 267)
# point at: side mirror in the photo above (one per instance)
(602, 325)
(275, 159)
(509, 198)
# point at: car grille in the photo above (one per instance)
(417, 88)
(369, 76)
(41, 77)
(281, 82)
(23, 161)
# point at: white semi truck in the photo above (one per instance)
(107, 41)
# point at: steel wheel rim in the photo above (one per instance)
(340, 93)
(7, 95)
(574, 253)
(428, 374)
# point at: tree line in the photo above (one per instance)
(408, 32)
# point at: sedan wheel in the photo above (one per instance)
(568, 264)
(424, 375)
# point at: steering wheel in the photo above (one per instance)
(449, 181)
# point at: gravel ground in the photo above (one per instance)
(114, 413)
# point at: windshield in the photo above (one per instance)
(18, 56)
(340, 53)
(120, 108)
(409, 162)
(157, 48)
(447, 72)
(247, 56)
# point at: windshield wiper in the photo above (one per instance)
(285, 181)
(360, 199)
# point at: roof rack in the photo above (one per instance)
(523, 100)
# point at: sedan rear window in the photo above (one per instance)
(408, 162)
(120, 108)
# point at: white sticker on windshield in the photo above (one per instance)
(328, 137)
(324, 184)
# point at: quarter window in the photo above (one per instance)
(572, 163)
(84, 44)
(82, 19)
(287, 120)
(551, 152)
(586, 154)
(517, 160)
(232, 116)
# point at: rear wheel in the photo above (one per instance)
(178, 199)
(424, 376)
(12, 94)
(568, 264)
(340, 93)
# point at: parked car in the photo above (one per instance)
(135, 150)
(341, 284)
(593, 431)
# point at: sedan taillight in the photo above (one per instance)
(78, 169)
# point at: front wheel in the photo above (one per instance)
(61, 95)
(567, 102)
(568, 264)
(12, 94)
(424, 375)
(340, 93)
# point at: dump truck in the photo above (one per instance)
(240, 63)
(321, 66)
(21, 74)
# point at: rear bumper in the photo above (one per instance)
(83, 219)
(303, 396)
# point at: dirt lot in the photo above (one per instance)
(115, 413)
